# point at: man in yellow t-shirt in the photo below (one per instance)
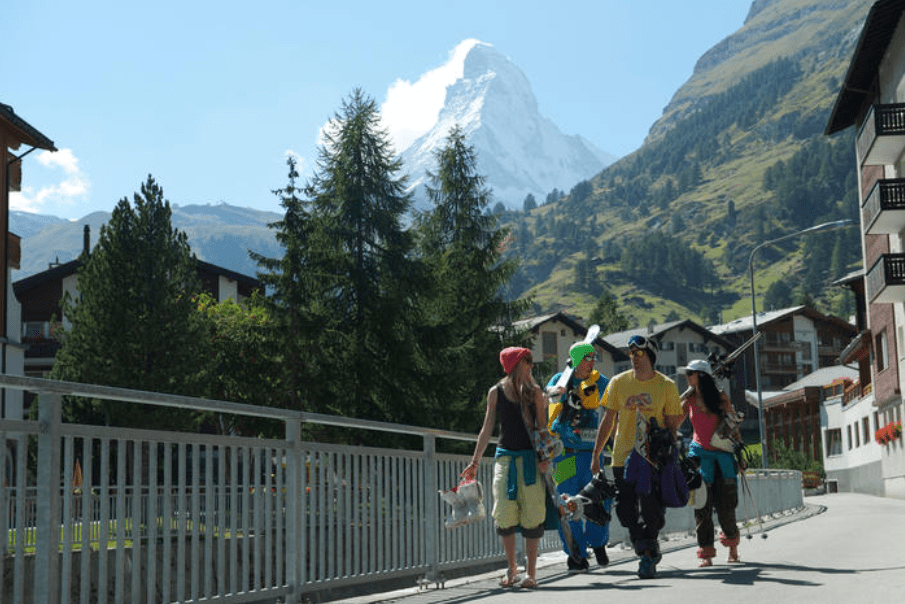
(632, 399)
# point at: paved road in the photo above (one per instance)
(842, 548)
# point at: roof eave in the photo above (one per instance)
(23, 131)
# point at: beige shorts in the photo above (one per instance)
(529, 509)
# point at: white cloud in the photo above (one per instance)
(410, 109)
(72, 189)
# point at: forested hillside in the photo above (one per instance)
(669, 229)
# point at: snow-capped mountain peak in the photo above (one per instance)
(519, 150)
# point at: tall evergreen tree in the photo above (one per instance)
(291, 287)
(135, 323)
(364, 280)
(466, 318)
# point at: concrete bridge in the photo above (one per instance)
(97, 515)
(839, 548)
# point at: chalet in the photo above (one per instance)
(40, 296)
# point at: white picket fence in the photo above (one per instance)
(160, 517)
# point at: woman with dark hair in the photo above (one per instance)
(519, 494)
(708, 406)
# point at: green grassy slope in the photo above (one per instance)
(808, 44)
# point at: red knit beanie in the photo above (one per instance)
(509, 357)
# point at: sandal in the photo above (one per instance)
(528, 583)
(733, 556)
(508, 580)
(705, 562)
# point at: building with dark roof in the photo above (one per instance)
(872, 99)
(41, 294)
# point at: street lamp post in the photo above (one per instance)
(826, 226)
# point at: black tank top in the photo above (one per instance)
(513, 435)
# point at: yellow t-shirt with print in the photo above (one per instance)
(656, 397)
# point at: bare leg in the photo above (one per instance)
(509, 547)
(531, 547)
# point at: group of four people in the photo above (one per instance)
(584, 415)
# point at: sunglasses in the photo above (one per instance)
(689, 373)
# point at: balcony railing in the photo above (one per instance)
(774, 345)
(881, 139)
(886, 280)
(883, 211)
(39, 347)
(852, 393)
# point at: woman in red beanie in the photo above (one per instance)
(518, 487)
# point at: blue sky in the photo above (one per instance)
(209, 98)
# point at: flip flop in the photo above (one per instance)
(528, 583)
(507, 581)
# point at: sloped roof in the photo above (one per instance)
(744, 324)
(852, 277)
(533, 323)
(824, 377)
(55, 273)
(62, 271)
(658, 332)
(876, 33)
(26, 133)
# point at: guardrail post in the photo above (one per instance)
(47, 561)
(291, 544)
(431, 511)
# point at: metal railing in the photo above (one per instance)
(95, 514)
(881, 120)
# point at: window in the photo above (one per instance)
(33, 329)
(848, 433)
(880, 350)
(876, 421)
(549, 346)
(857, 435)
(833, 442)
(865, 429)
(668, 346)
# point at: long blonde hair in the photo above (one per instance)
(526, 390)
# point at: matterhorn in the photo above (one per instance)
(519, 150)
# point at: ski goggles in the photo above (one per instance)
(643, 343)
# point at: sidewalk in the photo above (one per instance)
(841, 548)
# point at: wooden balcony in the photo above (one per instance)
(883, 212)
(886, 280)
(881, 139)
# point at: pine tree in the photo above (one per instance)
(465, 316)
(363, 279)
(607, 314)
(135, 323)
(290, 284)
